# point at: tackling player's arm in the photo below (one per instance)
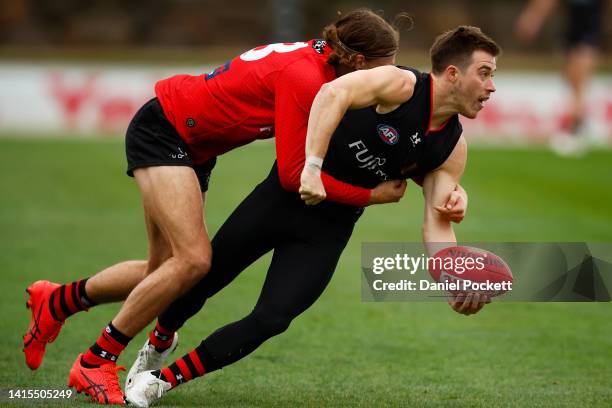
(296, 87)
(387, 87)
(437, 230)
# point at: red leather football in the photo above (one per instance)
(465, 269)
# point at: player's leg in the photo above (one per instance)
(300, 270)
(245, 236)
(583, 35)
(161, 342)
(248, 233)
(172, 200)
(149, 139)
(159, 251)
(116, 282)
(52, 303)
(579, 68)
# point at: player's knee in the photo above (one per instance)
(271, 323)
(157, 257)
(153, 264)
(194, 267)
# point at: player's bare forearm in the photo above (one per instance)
(437, 186)
(438, 233)
(437, 229)
(327, 110)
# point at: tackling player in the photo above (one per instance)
(405, 124)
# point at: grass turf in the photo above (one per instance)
(67, 210)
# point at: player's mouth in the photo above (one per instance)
(482, 100)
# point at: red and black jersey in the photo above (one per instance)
(264, 92)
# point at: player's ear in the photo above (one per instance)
(452, 73)
(360, 62)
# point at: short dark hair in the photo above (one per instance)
(455, 47)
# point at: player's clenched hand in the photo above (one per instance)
(468, 303)
(456, 206)
(311, 187)
(388, 192)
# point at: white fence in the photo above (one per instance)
(76, 100)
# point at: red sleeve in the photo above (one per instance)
(296, 87)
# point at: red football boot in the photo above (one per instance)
(43, 327)
(100, 383)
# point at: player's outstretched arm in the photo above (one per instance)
(438, 185)
(437, 230)
(386, 87)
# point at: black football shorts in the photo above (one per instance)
(151, 140)
(585, 23)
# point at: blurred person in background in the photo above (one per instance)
(171, 146)
(582, 42)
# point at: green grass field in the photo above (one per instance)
(67, 210)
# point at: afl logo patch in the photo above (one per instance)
(319, 46)
(190, 122)
(388, 134)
